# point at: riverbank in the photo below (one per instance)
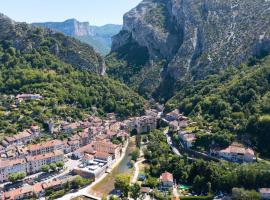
(87, 190)
(106, 185)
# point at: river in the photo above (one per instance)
(106, 186)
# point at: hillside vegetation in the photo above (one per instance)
(234, 102)
(68, 92)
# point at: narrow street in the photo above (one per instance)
(137, 170)
(169, 141)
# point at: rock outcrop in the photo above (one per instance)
(197, 37)
(97, 36)
(25, 37)
(70, 27)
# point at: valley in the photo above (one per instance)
(173, 104)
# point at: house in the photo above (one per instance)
(187, 138)
(8, 167)
(35, 163)
(235, 153)
(141, 124)
(68, 128)
(84, 137)
(174, 126)
(38, 190)
(20, 193)
(166, 180)
(55, 184)
(35, 130)
(74, 144)
(265, 193)
(21, 138)
(21, 97)
(79, 153)
(108, 147)
(45, 147)
(172, 116)
(104, 156)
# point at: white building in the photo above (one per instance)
(8, 167)
(235, 153)
(265, 193)
(187, 138)
(35, 163)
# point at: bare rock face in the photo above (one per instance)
(70, 27)
(197, 37)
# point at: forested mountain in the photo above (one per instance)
(194, 38)
(235, 102)
(97, 36)
(61, 69)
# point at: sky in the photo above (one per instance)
(97, 12)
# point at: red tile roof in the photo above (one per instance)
(166, 177)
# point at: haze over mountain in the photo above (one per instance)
(97, 36)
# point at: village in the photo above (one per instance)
(91, 149)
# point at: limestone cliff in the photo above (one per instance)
(195, 37)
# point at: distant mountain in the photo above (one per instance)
(97, 36)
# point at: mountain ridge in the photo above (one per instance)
(97, 36)
(69, 75)
(195, 38)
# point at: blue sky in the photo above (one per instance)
(97, 12)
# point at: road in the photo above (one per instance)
(137, 170)
(169, 141)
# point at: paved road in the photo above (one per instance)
(169, 141)
(137, 170)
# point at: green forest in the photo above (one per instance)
(204, 177)
(234, 104)
(67, 91)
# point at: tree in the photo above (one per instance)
(53, 166)
(14, 177)
(135, 191)
(77, 182)
(138, 140)
(241, 194)
(114, 198)
(60, 164)
(135, 154)
(45, 168)
(152, 182)
(122, 184)
(198, 184)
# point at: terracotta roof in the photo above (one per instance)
(102, 155)
(238, 149)
(8, 163)
(17, 192)
(51, 184)
(37, 188)
(43, 145)
(166, 177)
(264, 190)
(86, 149)
(44, 156)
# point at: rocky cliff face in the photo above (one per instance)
(70, 27)
(25, 37)
(97, 36)
(197, 37)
